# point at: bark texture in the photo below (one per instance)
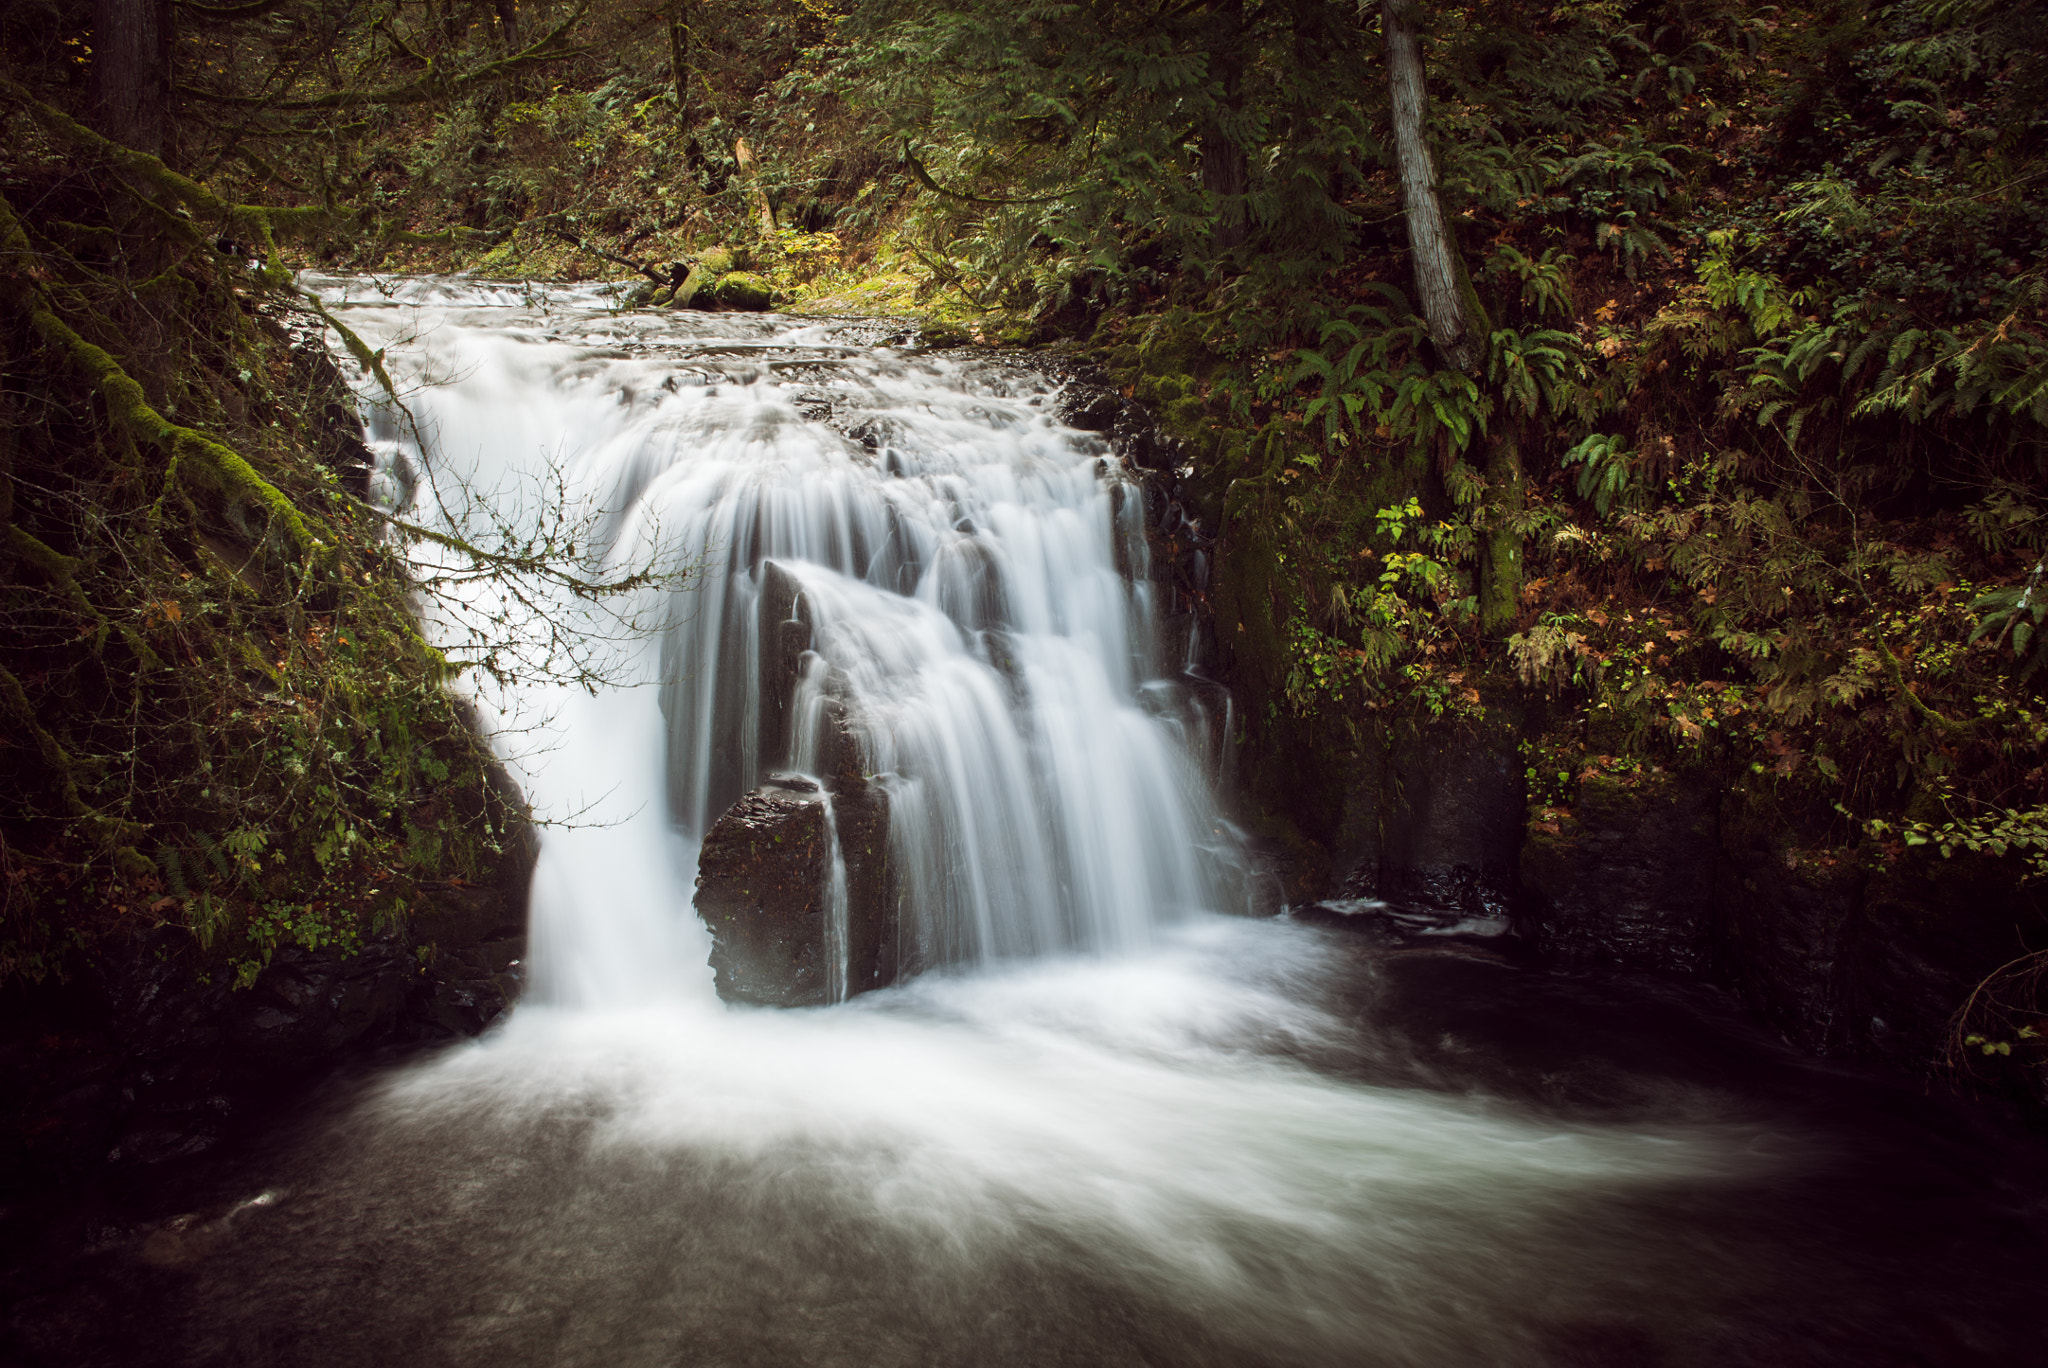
(679, 57)
(1223, 160)
(131, 72)
(1439, 274)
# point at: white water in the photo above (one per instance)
(1109, 1070)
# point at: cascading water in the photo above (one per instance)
(971, 576)
(1120, 1129)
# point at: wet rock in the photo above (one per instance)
(1091, 408)
(1626, 876)
(306, 1005)
(785, 635)
(1394, 923)
(1433, 817)
(862, 816)
(761, 888)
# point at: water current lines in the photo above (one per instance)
(902, 571)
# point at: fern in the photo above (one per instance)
(2018, 612)
(1545, 285)
(1534, 370)
(1605, 476)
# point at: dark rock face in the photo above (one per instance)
(1091, 408)
(761, 888)
(785, 627)
(1627, 877)
(764, 879)
(764, 874)
(860, 811)
(153, 1055)
(1434, 817)
(1676, 874)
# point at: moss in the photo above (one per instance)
(212, 464)
(696, 290)
(1178, 342)
(745, 291)
(1185, 418)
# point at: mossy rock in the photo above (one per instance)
(718, 261)
(695, 291)
(937, 334)
(1177, 343)
(1159, 390)
(744, 290)
(1184, 417)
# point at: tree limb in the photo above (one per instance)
(431, 84)
(924, 178)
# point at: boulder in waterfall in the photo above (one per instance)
(763, 889)
(762, 883)
(860, 808)
(785, 629)
(862, 816)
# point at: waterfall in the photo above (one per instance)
(901, 549)
(1113, 1129)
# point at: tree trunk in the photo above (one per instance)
(508, 23)
(1500, 594)
(1439, 272)
(1223, 162)
(757, 193)
(679, 57)
(131, 73)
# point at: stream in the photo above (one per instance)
(1113, 1120)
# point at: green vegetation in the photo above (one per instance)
(1746, 477)
(1749, 480)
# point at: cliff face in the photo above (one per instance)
(149, 1053)
(1683, 873)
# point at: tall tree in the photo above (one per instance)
(1223, 159)
(678, 15)
(1440, 278)
(131, 72)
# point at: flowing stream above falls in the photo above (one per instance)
(1109, 1123)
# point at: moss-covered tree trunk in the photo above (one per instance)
(1500, 589)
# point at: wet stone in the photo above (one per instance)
(761, 882)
